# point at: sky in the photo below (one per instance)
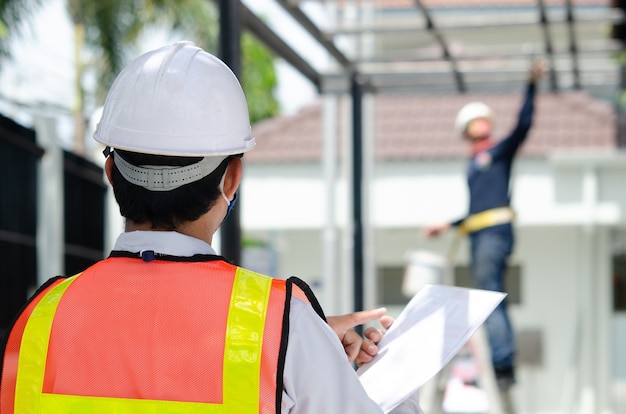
(40, 77)
(40, 71)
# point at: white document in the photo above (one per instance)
(429, 332)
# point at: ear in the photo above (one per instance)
(108, 169)
(233, 177)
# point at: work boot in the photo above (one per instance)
(505, 377)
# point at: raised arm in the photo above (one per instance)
(509, 145)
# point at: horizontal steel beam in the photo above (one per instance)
(407, 58)
(315, 32)
(476, 81)
(484, 24)
(267, 36)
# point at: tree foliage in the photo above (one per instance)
(13, 14)
(108, 29)
(258, 78)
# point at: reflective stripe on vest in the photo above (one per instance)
(242, 355)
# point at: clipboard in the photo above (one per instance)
(427, 334)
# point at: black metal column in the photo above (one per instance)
(230, 53)
(357, 188)
(620, 106)
(618, 32)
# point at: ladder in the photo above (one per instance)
(433, 392)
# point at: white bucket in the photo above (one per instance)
(422, 267)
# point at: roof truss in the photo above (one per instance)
(570, 38)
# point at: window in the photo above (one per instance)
(390, 283)
(619, 282)
(512, 281)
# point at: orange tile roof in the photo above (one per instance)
(411, 127)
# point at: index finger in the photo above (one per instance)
(361, 317)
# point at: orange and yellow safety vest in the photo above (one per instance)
(128, 336)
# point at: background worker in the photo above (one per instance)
(490, 218)
(164, 324)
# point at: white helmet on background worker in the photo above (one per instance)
(177, 100)
(470, 112)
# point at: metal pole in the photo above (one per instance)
(329, 232)
(357, 190)
(230, 53)
(620, 106)
(50, 204)
(618, 32)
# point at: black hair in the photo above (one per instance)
(166, 209)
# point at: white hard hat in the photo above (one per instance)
(471, 111)
(177, 100)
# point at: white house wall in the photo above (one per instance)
(565, 215)
(565, 275)
(417, 193)
(283, 197)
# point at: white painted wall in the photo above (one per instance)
(567, 207)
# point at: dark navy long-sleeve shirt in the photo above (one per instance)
(489, 171)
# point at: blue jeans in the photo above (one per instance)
(490, 250)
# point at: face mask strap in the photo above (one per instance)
(221, 187)
(229, 203)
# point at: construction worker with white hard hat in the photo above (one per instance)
(489, 222)
(164, 324)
